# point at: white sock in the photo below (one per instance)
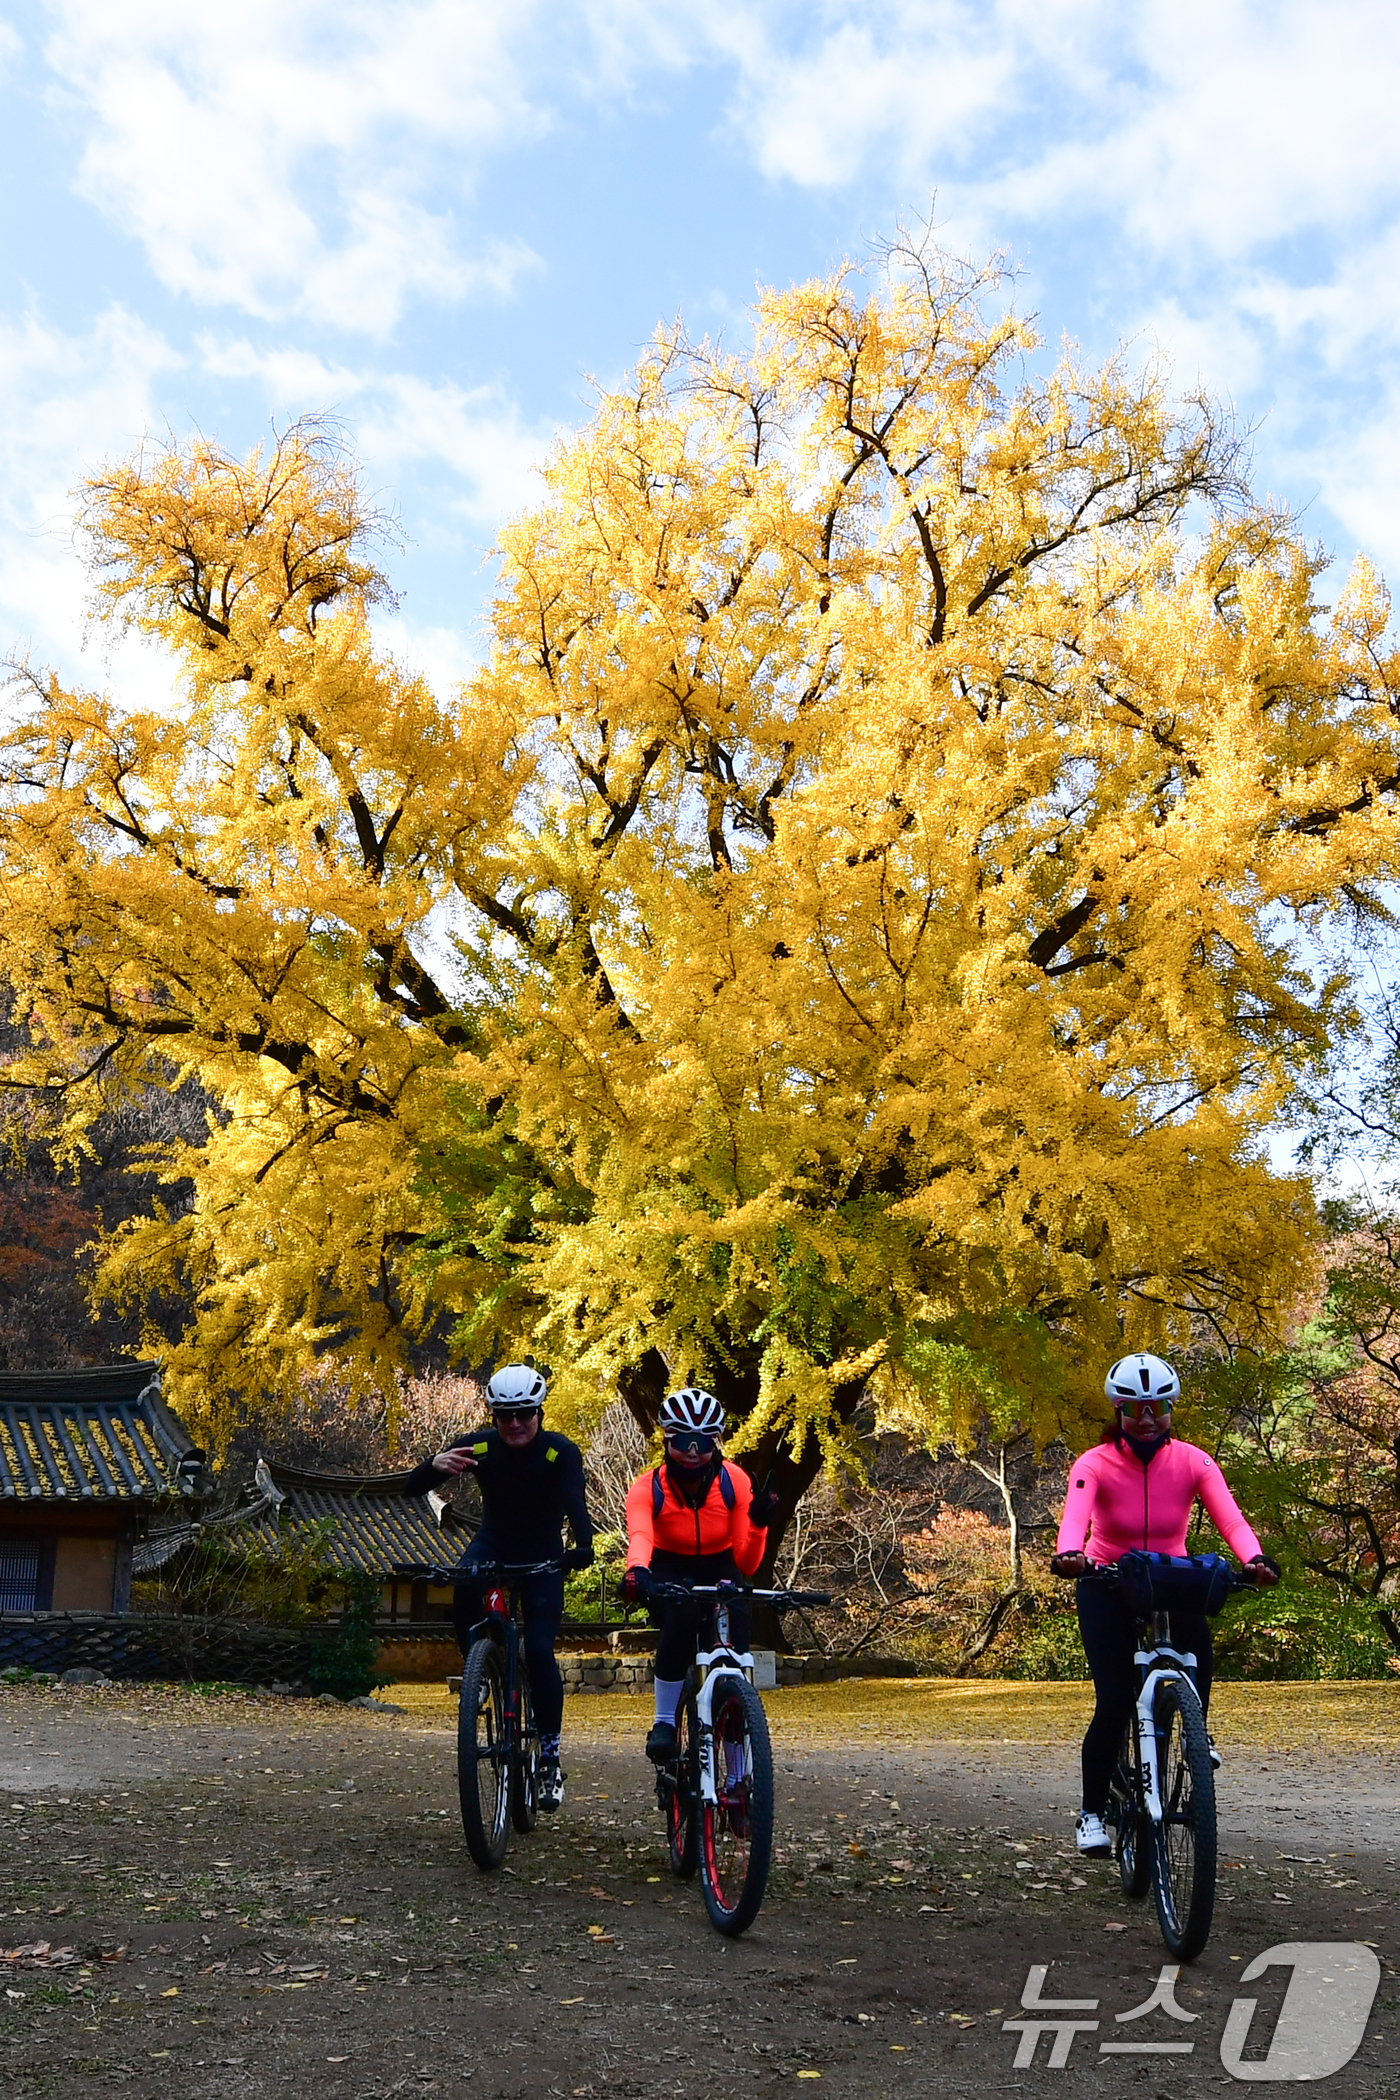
(668, 1697)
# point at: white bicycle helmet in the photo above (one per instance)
(516, 1389)
(690, 1408)
(1142, 1377)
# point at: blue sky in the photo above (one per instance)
(438, 218)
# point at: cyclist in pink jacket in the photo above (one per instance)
(1136, 1490)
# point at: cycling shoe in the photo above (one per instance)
(550, 1794)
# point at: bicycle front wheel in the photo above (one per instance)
(1125, 1813)
(679, 1785)
(1183, 1851)
(525, 1758)
(483, 1755)
(736, 1829)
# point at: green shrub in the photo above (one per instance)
(1041, 1642)
(285, 1581)
(1307, 1627)
(583, 1592)
(345, 1663)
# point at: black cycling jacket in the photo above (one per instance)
(526, 1495)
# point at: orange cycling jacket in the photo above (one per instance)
(674, 1527)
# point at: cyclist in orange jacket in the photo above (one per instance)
(693, 1519)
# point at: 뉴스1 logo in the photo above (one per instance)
(1320, 2026)
(1324, 2015)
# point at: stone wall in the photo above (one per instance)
(207, 1650)
(633, 1673)
(200, 1649)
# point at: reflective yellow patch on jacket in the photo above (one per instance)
(478, 1449)
(550, 1456)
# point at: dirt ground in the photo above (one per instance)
(234, 1895)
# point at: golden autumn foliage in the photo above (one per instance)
(872, 853)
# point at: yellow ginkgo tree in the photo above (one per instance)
(844, 940)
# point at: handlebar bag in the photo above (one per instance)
(1174, 1582)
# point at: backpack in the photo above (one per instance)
(658, 1491)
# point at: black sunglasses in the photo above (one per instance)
(693, 1442)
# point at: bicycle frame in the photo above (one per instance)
(502, 1625)
(1161, 1800)
(497, 1747)
(1160, 1664)
(501, 1619)
(709, 1662)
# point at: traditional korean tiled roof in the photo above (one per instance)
(93, 1435)
(376, 1528)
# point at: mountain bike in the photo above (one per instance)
(498, 1743)
(716, 1789)
(1161, 1803)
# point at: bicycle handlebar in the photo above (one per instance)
(1107, 1572)
(785, 1600)
(515, 1567)
(485, 1570)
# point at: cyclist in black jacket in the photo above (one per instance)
(531, 1480)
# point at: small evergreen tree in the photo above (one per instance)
(345, 1664)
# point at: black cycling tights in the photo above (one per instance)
(1109, 1633)
(682, 1625)
(542, 1599)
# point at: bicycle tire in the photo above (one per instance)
(736, 1830)
(1133, 1848)
(680, 1782)
(524, 1757)
(483, 1755)
(1184, 1842)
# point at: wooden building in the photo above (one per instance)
(405, 1541)
(88, 1458)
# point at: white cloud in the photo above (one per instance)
(67, 402)
(1223, 122)
(293, 162)
(11, 47)
(1220, 176)
(70, 401)
(445, 656)
(401, 419)
(476, 433)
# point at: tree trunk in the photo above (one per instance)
(644, 1386)
(995, 1619)
(987, 1632)
(791, 1480)
(1000, 1481)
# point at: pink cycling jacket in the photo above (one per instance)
(1115, 1504)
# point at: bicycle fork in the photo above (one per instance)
(1148, 1745)
(711, 1663)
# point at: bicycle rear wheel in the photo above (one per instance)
(524, 1757)
(1133, 1847)
(1183, 1850)
(678, 1783)
(736, 1829)
(483, 1755)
